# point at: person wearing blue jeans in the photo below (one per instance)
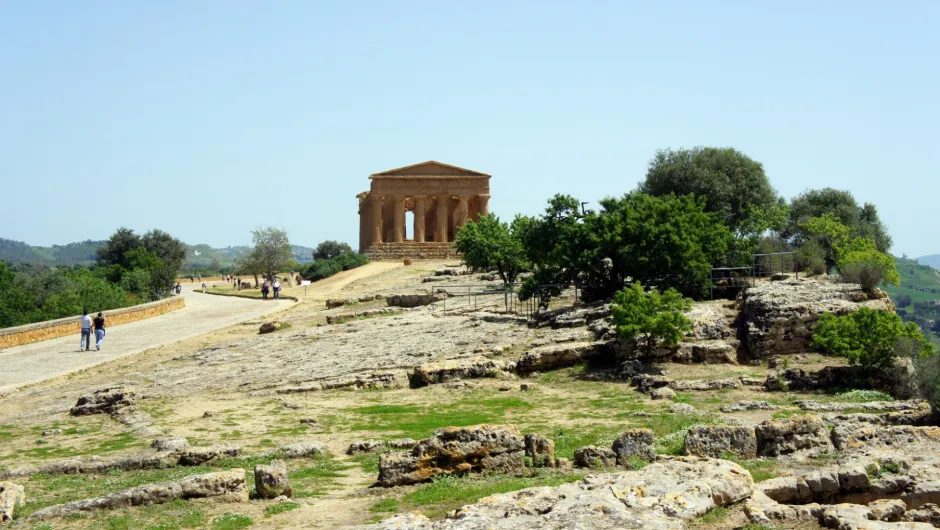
(99, 330)
(85, 342)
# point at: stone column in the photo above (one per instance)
(376, 220)
(398, 229)
(419, 220)
(442, 219)
(463, 209)
(484, 204)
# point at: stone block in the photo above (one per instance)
(634, 443)
(715, 441)
(271, 481)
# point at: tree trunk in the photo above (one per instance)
(256, 281)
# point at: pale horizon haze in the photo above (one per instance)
(207, 119)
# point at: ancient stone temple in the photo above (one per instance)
(441, 198)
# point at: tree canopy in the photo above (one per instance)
(868, 338)
(862, 221)
(271, 252)
(330, 249)
(492, 244)
(653, 315)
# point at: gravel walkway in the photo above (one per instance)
(31, 363)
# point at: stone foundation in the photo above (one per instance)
(411, 250)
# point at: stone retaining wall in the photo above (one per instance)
(50, 329)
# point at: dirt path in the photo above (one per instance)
(31, 363)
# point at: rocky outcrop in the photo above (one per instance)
(169, 444)
(787, 436)
(411, 300)
(779, 317)
(444, 371)
(558, 356)
(225, 486)
(742, 406)
(704, 384)
(866, 436)
(497, 448)
(371, 446)
(271, 481)
(540, 450)
(663, 495)
(269, 327)
(105, 401)
(368, 313)
(335, 302)
(633, 443)
(870, 406)
(300, 449)
(593, 457)
(717, 441)
(12, 497)
(196, 456)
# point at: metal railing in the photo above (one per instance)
(772, 263)
(504, 297)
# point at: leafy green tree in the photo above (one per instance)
(867, 338)
(492, 244)
(113, 250)
(549, 245)
(862, 221)
(330, 249)
(271, 252)
(170, 250)
(828, 233)
(903, 300)
(16, 304)
(669, 242)
(734, 186)
(657, 317)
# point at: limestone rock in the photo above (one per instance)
(170, 444)
(714, 441)
(335, 302)
(12, 496)
(634, 443)
(411, 300)
(787, 436)
(663, 495)
(780, 316)
(682, 408)
(593, 457)
(557, 356)
(226, 486)
(890, 510)
(269, 327)
(195, 456)
(859, 436)
(301, 449)
(371, 446)
(497, 448)
(928, 513)
(444, 371)
(271, 481)
(706, 351)
(742, 406)
(540, 449)
(105, 401)
(662, 393)
(700, 384)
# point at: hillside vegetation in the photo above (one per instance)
(198, 256)
(920, 285)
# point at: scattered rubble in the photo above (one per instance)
(110, 400)
(372, 446)
(742, 406)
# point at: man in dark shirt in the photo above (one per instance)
(99, 330)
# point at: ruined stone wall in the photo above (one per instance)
(50, 329)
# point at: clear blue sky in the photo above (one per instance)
(209, 118)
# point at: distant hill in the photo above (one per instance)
(83, 253)
(922, 284)
(933, 260)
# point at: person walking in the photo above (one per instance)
(99, 330)
(264, 290)
(277, 289)
(192, 279)
(86, 332)
(179, 288)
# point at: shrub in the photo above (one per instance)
(811, 257)
(868, 338)
(656, 316)
(861, 262)
(325, 268)
(491, 244)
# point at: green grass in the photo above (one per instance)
(421, 421)
(315, 479)
(368, 461)
(281, 507)
(232, 521)
(717, 514)
(385, 506)
(864, 396)
(760, 469)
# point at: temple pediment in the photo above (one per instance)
(430, 168)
